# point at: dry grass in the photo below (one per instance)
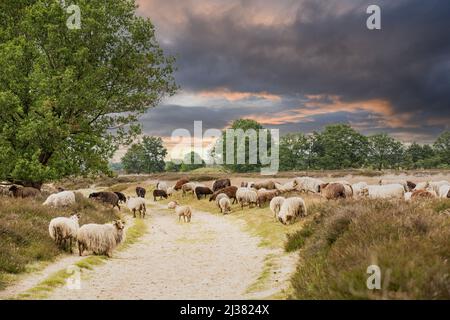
(408, 241)
(24, 238)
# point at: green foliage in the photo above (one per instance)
(69, 98)
(442, 148)
(296, 152)
(172, 166)
(384, 151)
(145, 157)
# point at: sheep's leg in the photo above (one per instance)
(80, 249)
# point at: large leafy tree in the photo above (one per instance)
(251, 130)
(145, 157)
(296, 152)
(69, 98)
(385, 151)
(339, 146)
(442, 148)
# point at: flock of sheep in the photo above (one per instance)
(287, 210)
(102, 239)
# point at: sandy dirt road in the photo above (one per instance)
(210, 258)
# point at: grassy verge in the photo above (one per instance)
(408, 241)
(26, 245)
(59, 278)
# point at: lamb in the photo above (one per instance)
(225, 205)
(101, 239)
(24, 192)
(357, 188)
(170, 191)
(161, 185)
(269, 185)
(384, 191)
(140, 192)
(275, 205)
(63, 230)
(229, 191)
(159, 193)
(172, 205)
(332, 191)
(246, 196)
(266, 196)
(61, 199)
(291, 209)
(137, 204)
(122, 198)
(307, 184)
(106, 197)
(220, 196)
(189, 187)
(444, 192)
(202, 191)
(184, 212)
(180, 183)
(423, 194)
(220, 184)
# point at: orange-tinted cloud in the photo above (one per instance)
(224, 93)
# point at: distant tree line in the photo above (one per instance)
(336, 147)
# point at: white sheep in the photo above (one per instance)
(422, 186)
(61, 199)
(63, 230)
(275, 205)
(384, 191)
(307, 184)
(291, 209)
(170, 191)
(184, 212)
(190, 187)
(137, 204)
(286, 187)
(408, 196)
(357, 188)
(436, 185)
(101, 239)
(246, 196)
(161, 185)
(444, 191)
(172, 205)
(225, 205)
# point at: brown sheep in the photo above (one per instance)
(202, 191)
(106, 197)
(229, 191)
(332, 190)
(269, 185)
(220, 184)
(159, 193)
(422, 194)
(24, 192)
(180, 183)
(266, 196)
(140, 192)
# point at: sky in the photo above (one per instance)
(300, 65)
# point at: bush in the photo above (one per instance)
(408, 241)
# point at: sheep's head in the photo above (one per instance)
(119, 224)
(322, 186)
(365, 192)
(13, 189)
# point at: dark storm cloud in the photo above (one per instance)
(325, 49)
